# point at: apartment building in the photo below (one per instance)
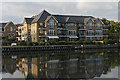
(24, 30)
(8, 30)
(49, 27)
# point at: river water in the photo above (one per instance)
(74, 64)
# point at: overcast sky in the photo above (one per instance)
(16, 11)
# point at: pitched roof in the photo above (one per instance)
(2, 25)
(5, 24)
(60, 18)
(41, 17)
(28, 20)
(70, 19)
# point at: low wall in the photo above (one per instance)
(50, 48)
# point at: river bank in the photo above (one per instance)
(56, 47)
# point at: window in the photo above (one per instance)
(51, 23)
(25, 33)
(90, 25)
(59, 24)
(29, 27)
(72, 32)
(41, 24)
(34, 31)
(29, 32)
(41, 31)
(11, 34)
(25, 26)
(59, 31)
(10, 28)
(72, 25)
(75, 24)
(80, 24)
(98, 32)
(68, 24)
(14, 29)
(90, 32)
(98, 25)
(51, 32)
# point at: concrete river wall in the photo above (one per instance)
(50, 48)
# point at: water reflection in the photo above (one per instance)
(73, 65)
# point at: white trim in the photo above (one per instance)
(52, 36)
(73, 37)
(104, 29)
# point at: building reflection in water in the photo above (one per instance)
(81, 66)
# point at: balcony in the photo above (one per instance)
(105, 35)
(104, 29)
(42, 36)
(82, 35)
(62, 28)
(82, 28)
(62, 35)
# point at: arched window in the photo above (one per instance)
(98, 25)
(51, 23)
(90, 24)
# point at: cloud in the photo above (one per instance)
(60, 1)
(99, 9)
(15, 11)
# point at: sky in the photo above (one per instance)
(16, 11)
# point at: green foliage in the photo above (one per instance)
(88, 42)
(98, 43)
(29, 44)
(23, 43)
(109, 41)
(41, 43)
(112, 26)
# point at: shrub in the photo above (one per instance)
(41, 43)
(98, 43)
(23, 43)
(62, 43)
(29, 44)
(88, 42)
(79, 42)
(109, 41)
